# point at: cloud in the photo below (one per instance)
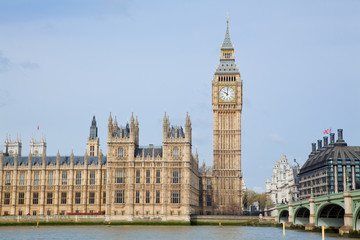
(274, 137)
(29, 65)
(258, 189)
(4, 63)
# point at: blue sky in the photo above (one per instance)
(63, 61)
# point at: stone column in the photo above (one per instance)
(353, 185)
(14, 189)
(86, 183)
(291, 213)
(311, 223)
(276, 213)
(28, 186)
(335, 178)
(98, 184)
(57, 183)
(348, 217)
(42, 185)
(71, 183)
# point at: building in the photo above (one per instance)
(135, 182)
(227, 107)
(330, 168)
(284, 182)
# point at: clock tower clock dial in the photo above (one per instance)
(227, 94)
(227, 107)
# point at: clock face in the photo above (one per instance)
(227, 94)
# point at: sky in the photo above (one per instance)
(61, 62)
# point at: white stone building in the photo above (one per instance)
(284, 181)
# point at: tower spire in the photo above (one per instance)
(227, 44)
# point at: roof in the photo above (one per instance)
(51, 160)
(339, 153)
(144, 152)
(176, 132)
(227, 44)
(123, 132)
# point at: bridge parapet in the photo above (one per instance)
(335, 210)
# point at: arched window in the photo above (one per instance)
(120, 153)
(176, 153)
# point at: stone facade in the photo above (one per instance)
(284, 181)
(133, 182)
(227, 107)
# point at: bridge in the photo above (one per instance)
(336, 210)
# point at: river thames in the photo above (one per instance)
(155, 232)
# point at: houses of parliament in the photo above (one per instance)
(133, 182)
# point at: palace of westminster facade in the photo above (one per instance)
(132, 182)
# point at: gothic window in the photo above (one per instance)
(77, 197)
(147, 197)
(176, 176)
(78, 178)
(36, 178)
(91, 197)
(120, 176)
(92, 178)
(49, 198)
(50, 178)
(147, 176)
(35, 198)
(22, 179)
(176, 153)
(92, 150)
(208, 200)
(21, 198)
(63, 197)
(208, 184)
(175, 196)
(120, 153)
(8, 179)
(157, 196)
(7, 198)
(137, 197)
(104, 197)
(105, 178)
(137, 176)
(157, 176)
(64, 178)
(119, 196)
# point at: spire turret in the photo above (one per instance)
(93, 129)
(227, 59)
(227, 44)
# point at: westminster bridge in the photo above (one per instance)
(336, 210)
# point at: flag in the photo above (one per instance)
(38, 127)
(327, 131)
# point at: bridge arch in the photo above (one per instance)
(284, 216)
(330, 215)
(301, 215)
(356, 219)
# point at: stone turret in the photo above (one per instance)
(93, 143)
(12, 148)
(37, 148)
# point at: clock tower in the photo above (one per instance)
(227, 106)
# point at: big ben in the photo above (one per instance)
(227, 106)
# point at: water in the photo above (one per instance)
(155, 232)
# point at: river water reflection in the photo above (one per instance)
(154, 232)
